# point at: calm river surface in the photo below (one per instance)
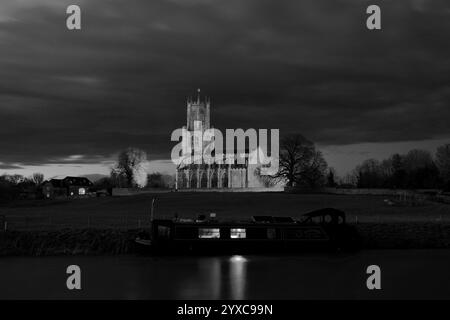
(406, 274)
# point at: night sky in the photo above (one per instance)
(70, 100)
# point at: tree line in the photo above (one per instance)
(130, 172)
(302, 165)
(417, 169)
(14, 186)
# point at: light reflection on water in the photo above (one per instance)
(238, 276)
(308, 276)
(219, 276)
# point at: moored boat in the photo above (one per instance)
(320, 229)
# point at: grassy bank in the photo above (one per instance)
(113, 241)
(134, 211)
(67, 242)
(405, 235)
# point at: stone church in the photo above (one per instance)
(214, 176)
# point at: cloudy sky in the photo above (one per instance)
(70, 100)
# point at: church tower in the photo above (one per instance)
(198, 110)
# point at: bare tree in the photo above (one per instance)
(131, 167)
(15, 178)
(369, 174)
(267, 181)
(38, 178)
(313, 170)
(416, 169)
(300, 163)
(418, 159)
(421, 170)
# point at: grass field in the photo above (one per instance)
(134, 211)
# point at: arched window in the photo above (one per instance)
(225, 180)
(194, 180)
(203, 180)
(214, 180)
(182, 180)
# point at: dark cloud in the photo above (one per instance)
(303, 66)
(5, 166)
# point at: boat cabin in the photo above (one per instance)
(264, 232)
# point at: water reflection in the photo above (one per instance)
(221, 277)
(308, 276)
(238, 276)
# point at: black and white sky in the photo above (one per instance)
(70, 100)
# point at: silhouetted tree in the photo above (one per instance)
(414, 170)
(369, 174)
(421, 171)
(443, 164)
(266, 180)
(11, 186)
(14, 178)
(398, 177)
(38, 178)
(300, 163)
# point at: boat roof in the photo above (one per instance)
(255, 220)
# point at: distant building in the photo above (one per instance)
(214, 176)
(67, 187)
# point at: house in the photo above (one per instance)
(67, 187)
(77, 186)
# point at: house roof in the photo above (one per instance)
(77, 181)
(70, 181)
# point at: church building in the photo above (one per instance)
(213, 176)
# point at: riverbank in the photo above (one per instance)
(411, 235)
(405, 235)
(67, 242)
(132, 212)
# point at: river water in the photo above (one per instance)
(405, 274)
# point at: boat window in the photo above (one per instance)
(163, 232)
(237, 233)
(209, 233)
(271, 233)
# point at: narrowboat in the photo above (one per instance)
(320, 229)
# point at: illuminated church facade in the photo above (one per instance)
(213, 176)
